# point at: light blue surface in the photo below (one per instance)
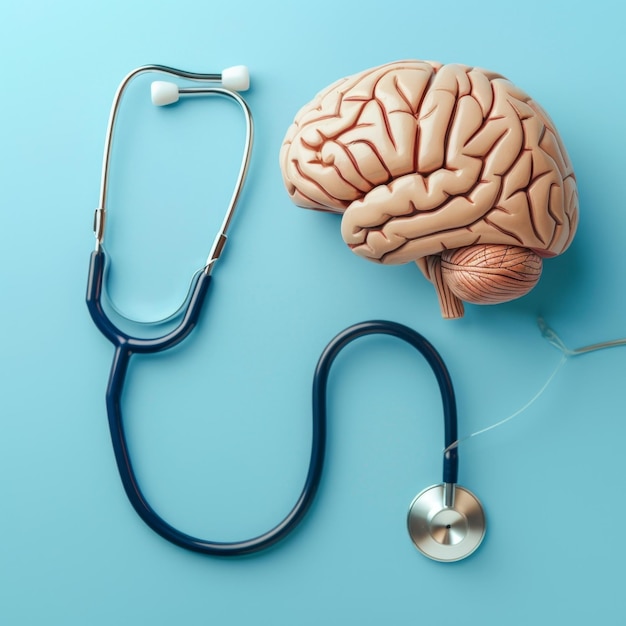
(220, 426)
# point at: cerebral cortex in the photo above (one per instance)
(422, 158)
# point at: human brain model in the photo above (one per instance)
(450, 166)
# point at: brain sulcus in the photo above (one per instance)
(450, 166)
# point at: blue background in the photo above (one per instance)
(220, 426)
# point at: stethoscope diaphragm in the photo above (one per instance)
(446, 531)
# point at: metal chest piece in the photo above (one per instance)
(446, 522)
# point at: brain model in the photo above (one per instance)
(449, 166)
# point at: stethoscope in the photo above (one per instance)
(446, 522)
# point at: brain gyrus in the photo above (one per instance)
(450, 166)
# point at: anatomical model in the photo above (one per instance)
(450, 166)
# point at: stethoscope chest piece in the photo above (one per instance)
(446, 526)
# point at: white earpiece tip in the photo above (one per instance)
(163, 93)
(236, 78)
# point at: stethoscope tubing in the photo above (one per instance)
(125, 346)
(434, 360)
(138, 345)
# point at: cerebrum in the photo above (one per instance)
(450, 166)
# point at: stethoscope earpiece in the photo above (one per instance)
(446, 522)
(163, 92)
(236, 78)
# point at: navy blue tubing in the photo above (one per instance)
(126, 346)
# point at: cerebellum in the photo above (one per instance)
(490, 274)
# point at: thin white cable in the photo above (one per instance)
(456, 443)
(553, 338)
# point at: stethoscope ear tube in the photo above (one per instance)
(126, 342)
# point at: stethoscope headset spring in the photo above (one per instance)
(446, 522)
